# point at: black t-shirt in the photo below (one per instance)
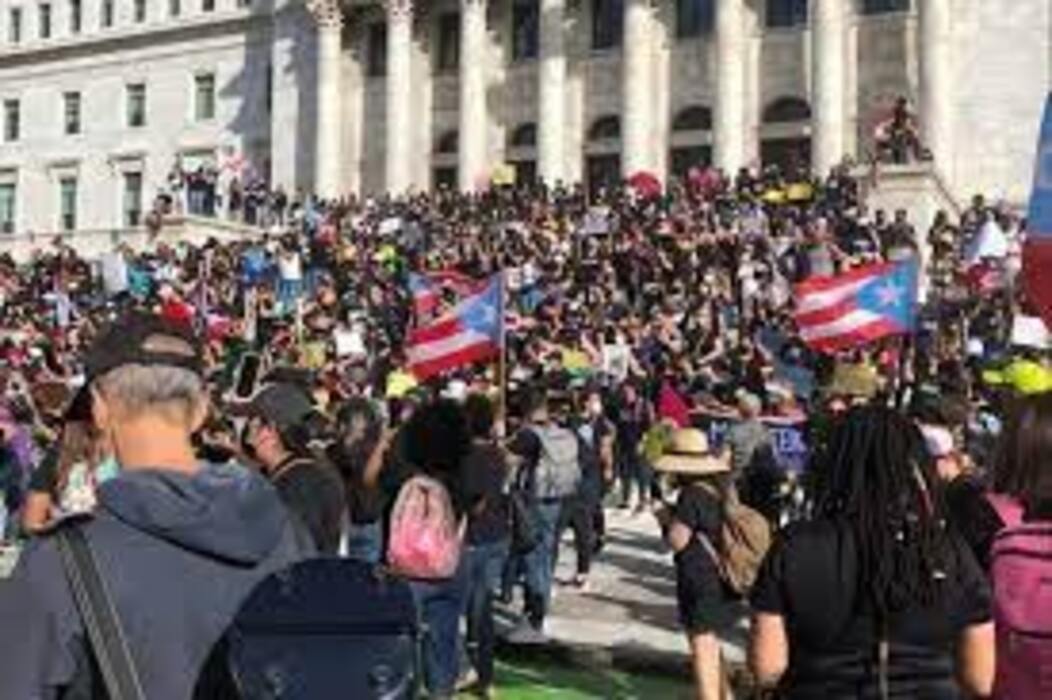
(700, 593)
(811, 578)
(973, 516)
(313, 492)
(484, 475)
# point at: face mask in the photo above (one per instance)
(107, 469)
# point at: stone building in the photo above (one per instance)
(100, 97)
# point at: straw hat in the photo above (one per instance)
(689, 453)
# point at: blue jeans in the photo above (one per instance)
(364, 542)
(485, 562)
(439, 604)
(540, 562)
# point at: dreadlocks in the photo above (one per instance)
(876, 478)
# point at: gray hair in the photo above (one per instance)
(138, 389)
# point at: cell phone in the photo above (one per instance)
(248, 375)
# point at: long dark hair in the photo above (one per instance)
(1024, 467)
(877, 478)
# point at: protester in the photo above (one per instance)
(486, 476)
(180, 543)
(875, 595)
(693, 530)
(549, 472)
(278, 437)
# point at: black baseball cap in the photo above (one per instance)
(282, 405)
(140, 338)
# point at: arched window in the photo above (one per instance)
(785, 110)
(524, 136)
(605, 128)
(693, 118)
(448, 142)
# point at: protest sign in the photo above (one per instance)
(787, 438)
(1030, 332)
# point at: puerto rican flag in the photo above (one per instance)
(1037, 250)
(426, 289)
(425, 295)
(857, 307)
(472, 332)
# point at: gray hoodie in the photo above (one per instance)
(179, 554)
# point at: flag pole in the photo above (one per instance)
(502, 363)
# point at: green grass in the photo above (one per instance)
(536, 682)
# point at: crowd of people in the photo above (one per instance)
(651, 358)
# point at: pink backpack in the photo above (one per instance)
(425, 539)
(1021, 569)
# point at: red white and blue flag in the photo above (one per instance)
(427, 288)
(472, 332)
(857, 307)
(425, 295)
(1037, 250)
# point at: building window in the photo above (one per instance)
(208, 5)
(175, 8)
(107, 14)
(140, 11)
(12, 119)
(607, 23)
(448, 143)
(693, 118)
(67, 203)
(74, 16)
(244, 3)
(880, 7)
(695, 17)
(204, 97)
(607, 128)
(786, 13)
(786, 110)
(524, 136)
(14, 30)
(448, 42)
(71, 111)
(136, 97)
(132, 199)
(8, 193)
(377, 50)
(44, 13)
(525, 27)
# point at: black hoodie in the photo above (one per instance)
(179, 553)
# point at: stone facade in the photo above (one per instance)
(305, 92)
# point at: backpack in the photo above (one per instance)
(1021, 570)
(322, 629)
(744, 540)
(425, 538)
(558, 472)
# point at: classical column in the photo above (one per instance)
(474, 124)
(729, 118)
(636, 107)
(828, 38)
(936, 77)
(551, 91)
(399, 97)
(328, 144)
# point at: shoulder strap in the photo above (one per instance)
(99, 615)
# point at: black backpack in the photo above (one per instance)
(321, 629)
